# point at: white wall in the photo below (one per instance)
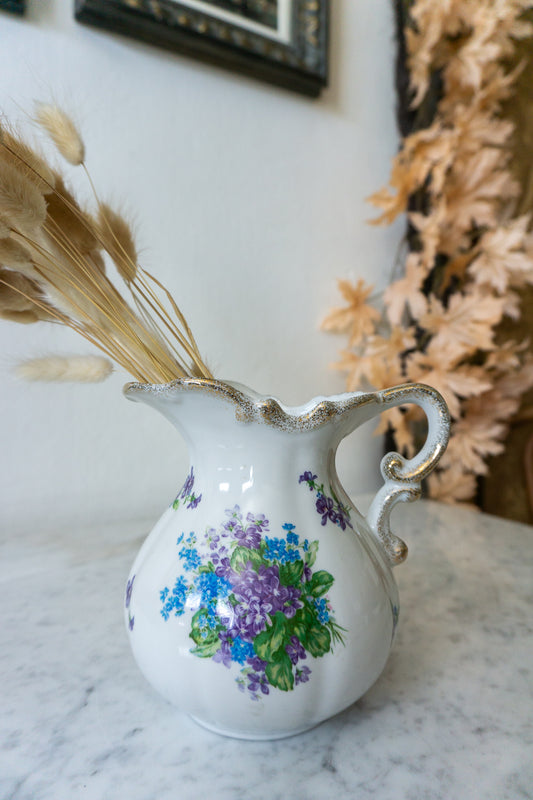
(249, 202)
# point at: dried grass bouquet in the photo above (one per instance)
(55, 258)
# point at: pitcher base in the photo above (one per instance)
(252, 737)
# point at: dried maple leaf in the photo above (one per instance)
(514, 384)
(506, 358)
(473, 438)
(483, 105)
(511, 305)
(468, 68)
(383, 374)
(493, 404)
(391, 348)
(502, 255)
(453, 485)
(356, 368)
(456, 268)
(424, 153)
(466, 325)
(475, 122)
(438, 367)
(433, 23)
(358, 317)
(430, 228)
(476, 188)
(401, 420)
(406, 292)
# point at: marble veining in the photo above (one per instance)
(450, 717)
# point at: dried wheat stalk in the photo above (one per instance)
(53, 264)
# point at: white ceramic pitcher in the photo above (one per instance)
(263, 602)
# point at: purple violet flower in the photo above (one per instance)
(257, 616)
(251, 537)
(244, 582)
(257, 664)
(223, 654)
(258, 682)
(219, 554)
(324, 506)
(235, 518)
(224, 570)
(129, 589)
(258, 520)
(279, 595)
(193, 502)
(295, 650)
(340, 521)
(302, 675)
(263, 586)
(307, 477)
(238, 627)
(292, 603)
(212, 538)
(343, 519)
(187, 486)
(232, 525)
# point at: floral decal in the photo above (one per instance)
(127, 601)
(186, 495)
(255, 601)
(329, 508)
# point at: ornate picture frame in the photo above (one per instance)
(283, 42)
(16, 6)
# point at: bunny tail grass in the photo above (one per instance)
(54, 254)
(75, 369)
(62, 132)
(117, 238)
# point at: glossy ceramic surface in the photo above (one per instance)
(263, 602)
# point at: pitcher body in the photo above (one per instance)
(263, 602)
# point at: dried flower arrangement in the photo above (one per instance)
(468, 253)
(53, 267)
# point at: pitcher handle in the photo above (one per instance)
(403, 476)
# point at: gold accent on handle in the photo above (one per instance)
(403, 476)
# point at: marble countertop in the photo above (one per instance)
(451, 716)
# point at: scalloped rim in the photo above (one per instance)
(253, 407)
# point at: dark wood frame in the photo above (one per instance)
(16, 6)
(300, 65)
